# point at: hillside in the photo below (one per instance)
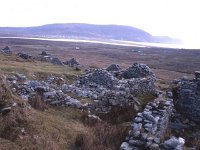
(50, 101)
(86, 31)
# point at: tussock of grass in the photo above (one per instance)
(102, 136)
(61, 125)
(16, 118)
(38, 103)
(118, 115)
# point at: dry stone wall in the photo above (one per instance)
(107, 90)
(149, 126)
(187, 97)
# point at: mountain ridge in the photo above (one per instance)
(87, 31)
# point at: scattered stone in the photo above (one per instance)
(125, 146)
(92, 119)
(20, 77)
(154, 146)
(11, 78)
(44, 53)
(72, 62)
(56, 61)
(73, 102)
(5, 110)
(24, 55)
(169, 94)
(6, 50)
(174, 143)
(113, 67)
(197, 75)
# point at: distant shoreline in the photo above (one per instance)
(111, 42)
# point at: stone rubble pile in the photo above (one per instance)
(108, 90)
(113, 67)
(49, 91)
(56, 61)
(137, 71)
(24, 55)
(44, 53)
(187, 97)
(149, 126)
(7, 51)
(45, 57)
(173, 144)
(72, 62)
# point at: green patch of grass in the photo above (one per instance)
(12, 64)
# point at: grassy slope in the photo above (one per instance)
(12, 64)
(55, 128)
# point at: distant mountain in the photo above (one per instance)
(86, 31)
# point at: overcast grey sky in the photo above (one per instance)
(175, 18)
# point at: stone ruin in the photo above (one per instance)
(107, 90)
(24, 55)
(6, 50)
(49, 90)
(113, 67)
(149, 126)
(56, 61)
(137, 71)
(44, 53)
(45, 57)
(72, 62)
(187, 97)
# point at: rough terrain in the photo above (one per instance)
(61, 95)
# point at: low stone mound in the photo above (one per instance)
(24, 55)
(49, 91)
(187, 97)
(44, 53)
(72, 62)
(113, 67)
(99, 77)
(7, 50)
(56, 61)
(137, 71)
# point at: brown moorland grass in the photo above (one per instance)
(61, 128)
(26, 128)
(101, 55)
(52, 128)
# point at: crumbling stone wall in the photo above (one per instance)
(108, 90)
(149, 126)
(187, 100)
(49, 90)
